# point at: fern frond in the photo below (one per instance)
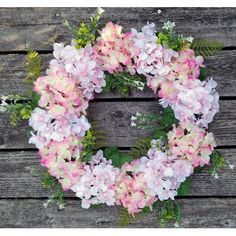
(206, 47)
(124, 218)
(33, 67)
(140, 148)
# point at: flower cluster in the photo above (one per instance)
(48, 128)
(195, 101)
(81, 65)
(62, 160)
(189, 142)
(153, 59)
(132, 190)
(145, 180)
(115, 50)
(97, 184)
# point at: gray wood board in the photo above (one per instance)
(39, 28)
(197, 212)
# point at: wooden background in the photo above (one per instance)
(211, 203)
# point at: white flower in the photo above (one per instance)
(168, 25)
(138, 114)
(133, 118)
(190, 39)
(100, 11)
(133, 124)
(231, 167)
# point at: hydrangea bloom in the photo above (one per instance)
(164, 173)
(62, 160)
(60, 94)
(195, 101)
(115, 50)
(189, 142)
(153, 59)
(131, 189)
(48, 128)
(80, 64)
(97, 185)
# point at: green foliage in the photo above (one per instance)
(118, 158)
(51, 184)
(169, 212)
(18, 109)
(93, 140)
(123, 82)
(33, 67)
(217, 162)
(18, 106)
(140, 148)
(156, 122)
(206, 47)
(86, 33)
(198, 169)
(172, 40)
(203, 74)
(184, 188)
(124, 218)
(169, 38)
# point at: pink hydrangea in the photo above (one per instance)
(48, 128)
(60, 94)
(186, 66)
(62, 160)
(81, 65)
(115, 50)
(97, 185)
(195, 101)
(163, 173)
(132, 191)
(154, 59)
(189, 142)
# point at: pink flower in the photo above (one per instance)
(189, 142)
(97, 185)
(115, 51)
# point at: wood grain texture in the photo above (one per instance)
(114, 119)
(17, 181)
(202, 213)
(221, 67)
(39, 28)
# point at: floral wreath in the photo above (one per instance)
(104, 58)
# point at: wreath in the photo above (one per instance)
(103, 58)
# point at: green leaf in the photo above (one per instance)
(206, 47)
(217, 162)
(118, 158)
(198, 170)
(203, 73)
(35, 99)
(123, 82)
(124, 218)
(169, 212)
(141, 148)
(184, 188)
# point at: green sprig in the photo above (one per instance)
(123, 82)
(86, 33)
(206, 47)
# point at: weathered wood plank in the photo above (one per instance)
(221, 67)
(17, 181)
(201, 213)
(47, 23)
(114, 119)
